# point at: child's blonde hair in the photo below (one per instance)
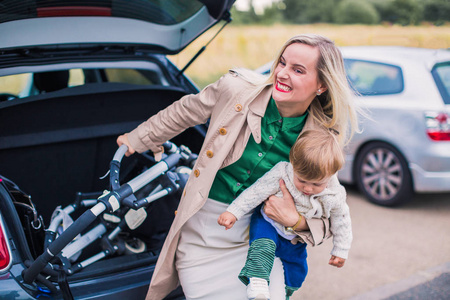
(316, 155)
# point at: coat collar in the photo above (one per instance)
(257, 108)
(259, 104)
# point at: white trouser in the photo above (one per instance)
(209, 258)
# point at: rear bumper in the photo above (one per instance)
(429, 181)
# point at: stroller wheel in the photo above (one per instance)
(134, 246)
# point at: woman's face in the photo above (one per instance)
(296, 80)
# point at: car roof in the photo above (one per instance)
(397, 55)
(160, 26)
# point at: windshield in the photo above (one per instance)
(441, 74)
(164, 12)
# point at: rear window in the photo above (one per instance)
(441, 74)
(167, 12)
(30, 84)
(371, 78)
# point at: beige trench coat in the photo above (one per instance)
(235, 107)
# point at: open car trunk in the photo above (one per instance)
(57, 153)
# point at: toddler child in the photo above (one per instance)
(311, 179)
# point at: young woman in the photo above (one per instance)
(254, 121)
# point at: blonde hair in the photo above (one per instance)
(338, 111)
(316, 155)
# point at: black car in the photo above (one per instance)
(73, 76)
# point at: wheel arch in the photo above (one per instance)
(368, 143)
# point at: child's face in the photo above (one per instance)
(310, 187)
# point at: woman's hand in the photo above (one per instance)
(227, 220)
(283, 211)
(123, 140)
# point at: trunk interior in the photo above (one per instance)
(58, 146)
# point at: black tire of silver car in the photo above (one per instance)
(382, 174)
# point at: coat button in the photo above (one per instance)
(222, 131)
(238, 107)
(196, 173)
(209, 153)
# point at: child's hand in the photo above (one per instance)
(226, 219)
(336, 261)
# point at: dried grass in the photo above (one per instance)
(252, 46)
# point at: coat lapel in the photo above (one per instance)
(257, 108)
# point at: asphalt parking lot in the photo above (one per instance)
(397, 253)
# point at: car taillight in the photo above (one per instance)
(64, 11)
(5, 254)
(438, 126)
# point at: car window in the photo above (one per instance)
(30, 84)
(13, 85)
(76, 77)
(371, 78)
(131, 76)
(441, 74)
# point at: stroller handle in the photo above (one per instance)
(120, 153)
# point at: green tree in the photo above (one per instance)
(239, 17)
(356, 12)
(272, 14)
(437, 11)
(293, 10)
(307, 11)
(405, 12)
(383, 9)
(245, 17)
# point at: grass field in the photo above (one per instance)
(252, 46)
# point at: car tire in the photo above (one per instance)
(382, 175)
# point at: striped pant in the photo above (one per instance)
(265, 244)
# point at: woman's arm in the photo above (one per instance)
(187, 112)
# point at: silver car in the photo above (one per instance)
(405, 143)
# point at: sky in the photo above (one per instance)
(258, 4)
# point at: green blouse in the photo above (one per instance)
(277, 137)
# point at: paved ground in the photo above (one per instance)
(397, 253)
(438, 288)
(431, 284)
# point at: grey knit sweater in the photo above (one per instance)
(330, 203)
